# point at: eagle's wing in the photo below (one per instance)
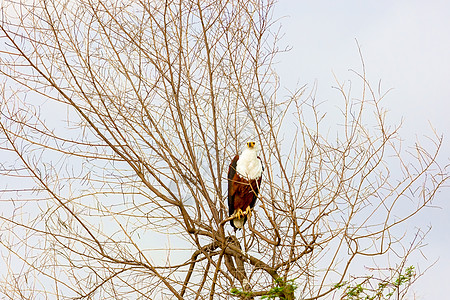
(231, 186)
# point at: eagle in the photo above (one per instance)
(244, 180)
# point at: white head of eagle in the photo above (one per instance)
(244, 180)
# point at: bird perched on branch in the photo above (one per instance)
(244, 180)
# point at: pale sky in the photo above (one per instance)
(406, 44)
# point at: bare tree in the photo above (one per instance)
(118, 122)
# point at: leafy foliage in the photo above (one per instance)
(240, 293)
(282, 289)
(384, 290)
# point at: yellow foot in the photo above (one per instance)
(248, 211)
(238, 213)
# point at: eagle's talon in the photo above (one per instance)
(239, 213)
(248, 211)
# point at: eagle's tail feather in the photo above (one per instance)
(239, 222)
